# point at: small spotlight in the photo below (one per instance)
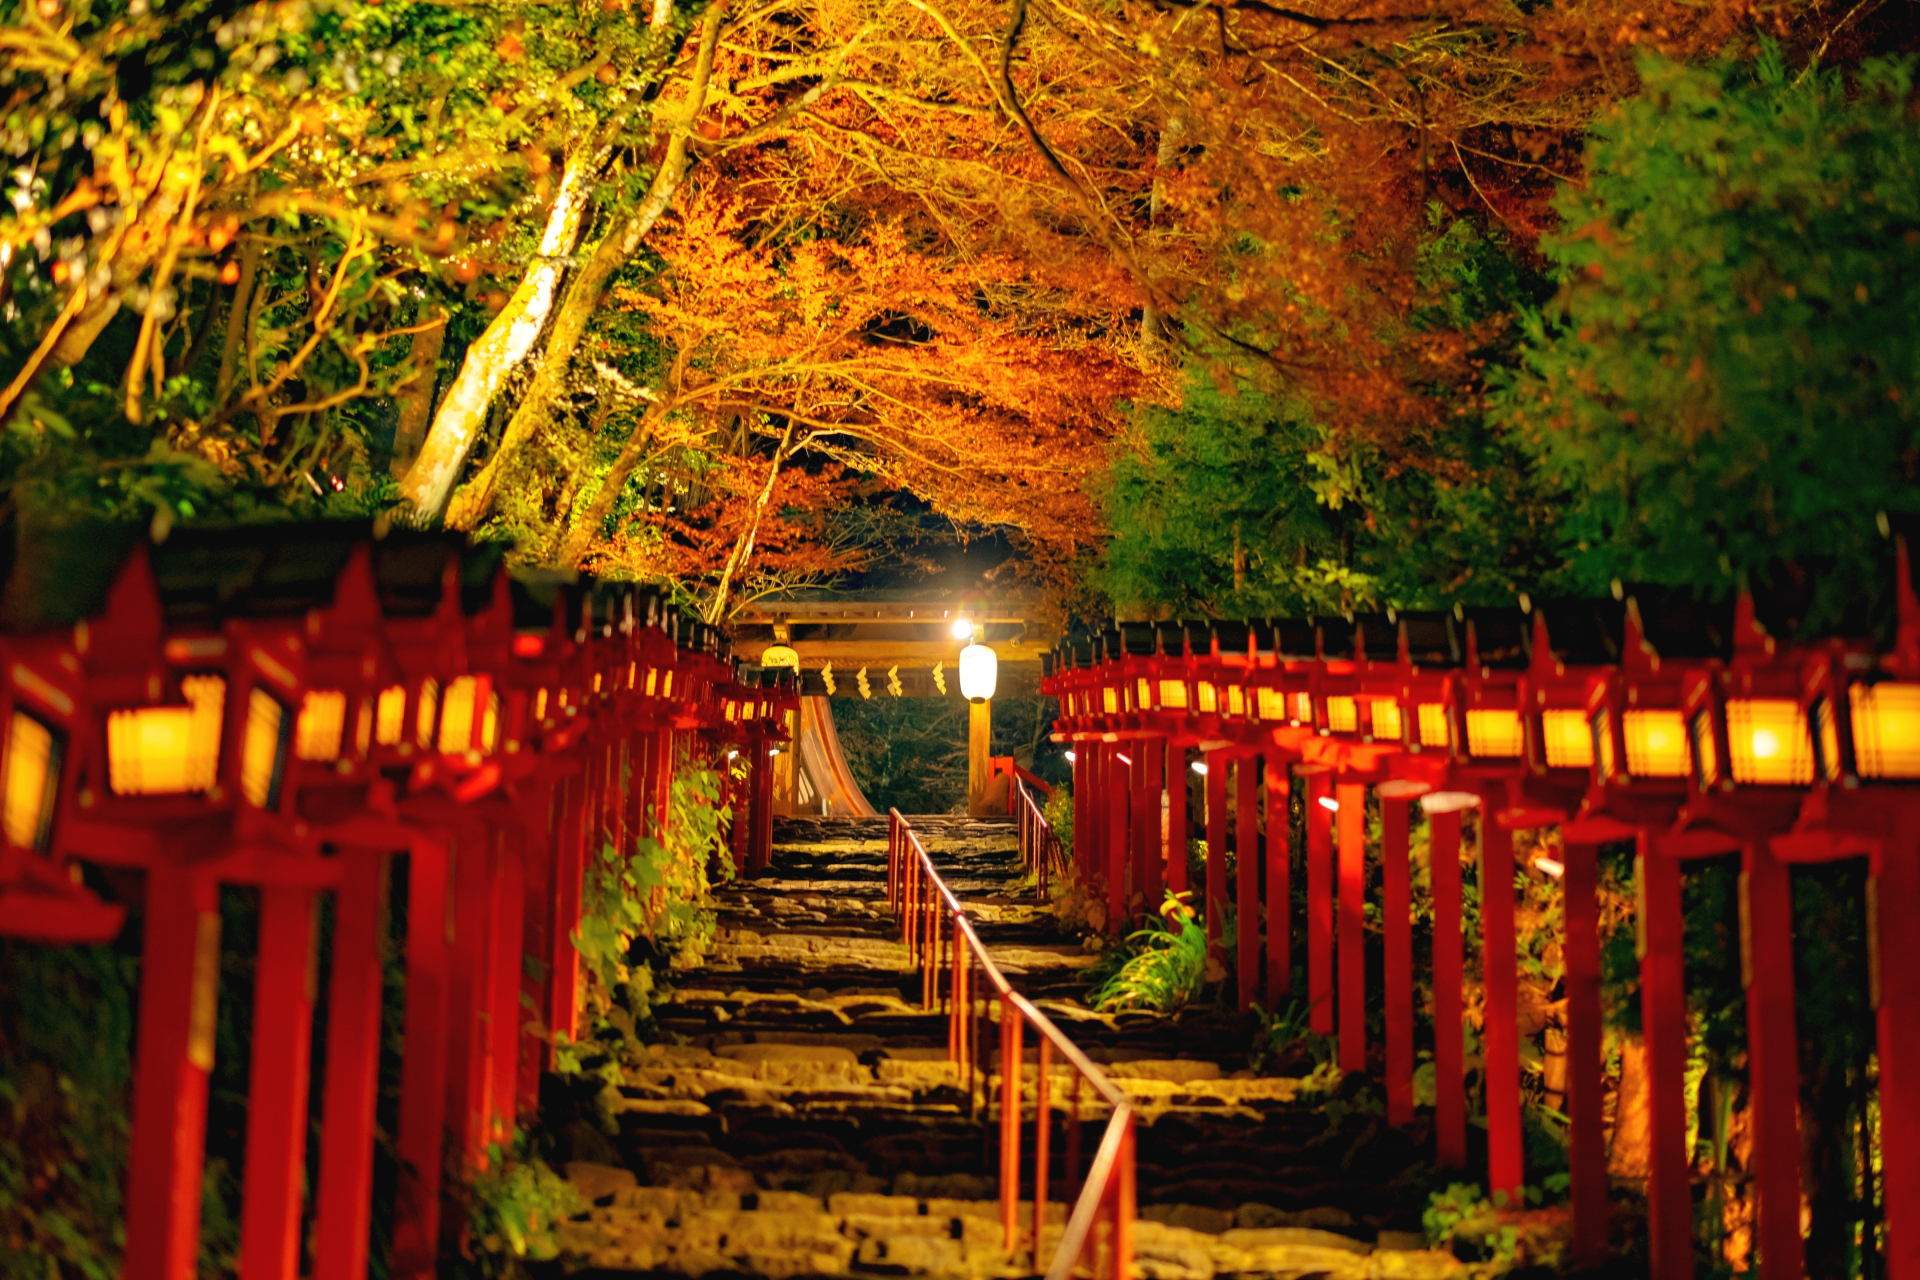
(1329, 804)
(773, 751)
(1123, 759)
(1200, 767)
(1552, 867)
(1073, 757)
(962, 629)
(733, 755)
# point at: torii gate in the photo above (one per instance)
(876, 644)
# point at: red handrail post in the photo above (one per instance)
(1449, 1041)
(509, 931)
(1247, 867)
(179, 987)
(1149, 816)
(345, 1212)
(1506, 1151)
(1010, 1056)
(1352, 817)
(1279, 886)
(1773, 1056)
(277, 1088)
(1587, 1155)
(475, 875)
(1320, 903)
(1118, 791)
(423, 1070)
(569, 873)
(1663, 1017)
(1124, 1196)
(1042, 1143)
(1396, 906)
(1176, 817)
(1082, 810)
(1216, 845)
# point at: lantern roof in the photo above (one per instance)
(1289, 639)
(1682, 625)
(1379, 636)
(1337, 637)
(1584, 633)
(1434, 638)
(1499, 638)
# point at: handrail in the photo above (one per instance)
(919, 896)
(1040, 849)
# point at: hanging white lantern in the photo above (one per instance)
(979, 671)
(779, 655)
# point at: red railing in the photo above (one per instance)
(1040, 851)
(940, 940)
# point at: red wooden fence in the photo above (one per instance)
(288, 708)
(1687, 729)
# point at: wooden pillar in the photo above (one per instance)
(1396, 910)
(1320, 904)
(979, 753)
(763, 808)
(1150, 848)
(539, 808)
(1143, 830)
(423, 1069)
(1586, 1049)
(179, 990)
(468, 1009)
(509, 931)
(1118, 787)
(1500, 1041)
(1177, 780)
(1246, 843)
(1773, 1057)
(664, 757)
(1894, 923)
(276, 1152)
(345, 1212)
(1279, 886)
(1449, 1042)
(1353, 926)
(1216, 843)
(1097, 806)
(1663, 1019)
(1082, 818)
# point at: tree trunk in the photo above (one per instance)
(505, 345)
(475, 501)
(1629, 1157)
(580, 538)
(416, 402)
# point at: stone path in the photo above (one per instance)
(809, 1124)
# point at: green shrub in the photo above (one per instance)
(1167, 967)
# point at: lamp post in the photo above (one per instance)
(979, 672)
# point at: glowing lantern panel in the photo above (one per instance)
(1567, 738)
(1493, 733)
(1886, 729)
(390, 716)
(1208, 697)
(1173, 695)
(263, 750)
(1433, 725)
(157, 751)
(322, 723)
(32, 778)
(1769, 742)
(1387, 723)
(1273, 706)
(428, 711)
(1656, 743)
(456, 715)
(1342, 715)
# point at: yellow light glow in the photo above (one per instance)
(596, 682)
(1272, 705)
(1236, 700)
(1342, 715)
(1706, 752)
(262, 751)
(1173, 695)
(168, 750)
(363, 730)
(1143, 694)
(1387, 722)
(322, 723)
(1110, 700)
(666, 685)
(653, 680)
(540, 705)
(1493, 733)
(1302, 706)
(1769, 742)
(1208, 696)
(1656, 744)
(1434, 731)
(1886, 729)
(30, 782)
(1829, 732)
(456, 716)
(633, 672)
(390, 716)
(427, 712)
(1568, 739)
(490, 723)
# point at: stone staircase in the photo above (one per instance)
(808, 1123)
